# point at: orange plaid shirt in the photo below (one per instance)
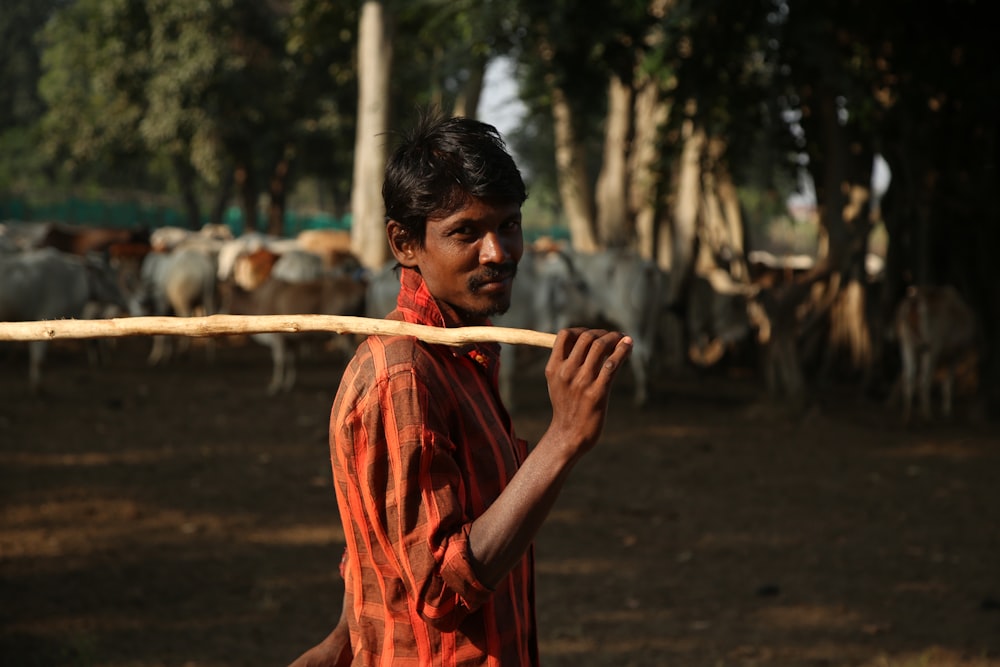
(421, 445)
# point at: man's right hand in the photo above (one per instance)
(580, 372)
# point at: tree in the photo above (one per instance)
(20, 103)
(231, 94)
(374, 69)
(321, 45)
(94, 64)
(579, 55)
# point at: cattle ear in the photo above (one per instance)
(402, 244)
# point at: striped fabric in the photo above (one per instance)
(420, 446)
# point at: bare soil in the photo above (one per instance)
(178, 516)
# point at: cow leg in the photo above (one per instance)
(160, 352)
(290, 373)
(640, 364)
(278, 358)
(947, 384)
(769, 367)
(908, 380)
(36, 355)
(926, 375)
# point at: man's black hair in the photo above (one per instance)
(441, 164)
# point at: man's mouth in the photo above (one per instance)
(493, 276)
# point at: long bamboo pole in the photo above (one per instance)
(223, 325)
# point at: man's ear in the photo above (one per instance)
(403, 247)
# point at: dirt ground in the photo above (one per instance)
(179, 517)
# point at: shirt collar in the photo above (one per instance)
(416, 304)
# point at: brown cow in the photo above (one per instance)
(327, 295)
(937, 334)
(251, 269)
(80, 240)
(330, 244)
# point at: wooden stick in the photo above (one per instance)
(222, 325)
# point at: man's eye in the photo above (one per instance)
(512, 225)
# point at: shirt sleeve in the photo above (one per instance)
(413, 486)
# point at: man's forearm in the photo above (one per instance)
(500, 537)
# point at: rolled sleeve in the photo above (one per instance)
(458, 574)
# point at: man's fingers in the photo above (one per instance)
(575, 342)
(607, 352)
(565, 341)
(623, 348)
(592, 351)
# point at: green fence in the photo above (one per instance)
(135, 214)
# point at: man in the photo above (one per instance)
(440, 501)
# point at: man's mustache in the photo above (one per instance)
(493, 273)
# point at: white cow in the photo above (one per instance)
(180, 283)
(298, 266)
(49, 284)
(548, 295)
(242, 245)
(326, 295)
(624, 290)
(8, 242)
(937, 332)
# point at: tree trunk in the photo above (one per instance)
(185, 181)
(846, 219)
(730, 211)
(685, 210)
(644, 193)
(646, 186)
(278, 194)
(571, 172)
(246, 189)
(467, 102)
(368, 238)
(612, 182)
(221, 201)
(776, 319)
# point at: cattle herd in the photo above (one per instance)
(50, 271)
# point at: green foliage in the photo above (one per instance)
(21, 168)
(439, 46)
(201, 84)
(575, 46)
(19, 61)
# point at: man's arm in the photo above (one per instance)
(579, 374)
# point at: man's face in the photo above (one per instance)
(469, 259)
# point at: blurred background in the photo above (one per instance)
(791, 205)
(859, 137)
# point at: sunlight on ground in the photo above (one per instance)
(755, 539)
(934, 656)
(578, 646)
(570, 566)
(950, 450)
(82, 527)
(298, 535)
(800, 617)
(86, 459)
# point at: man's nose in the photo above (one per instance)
(492, 250)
